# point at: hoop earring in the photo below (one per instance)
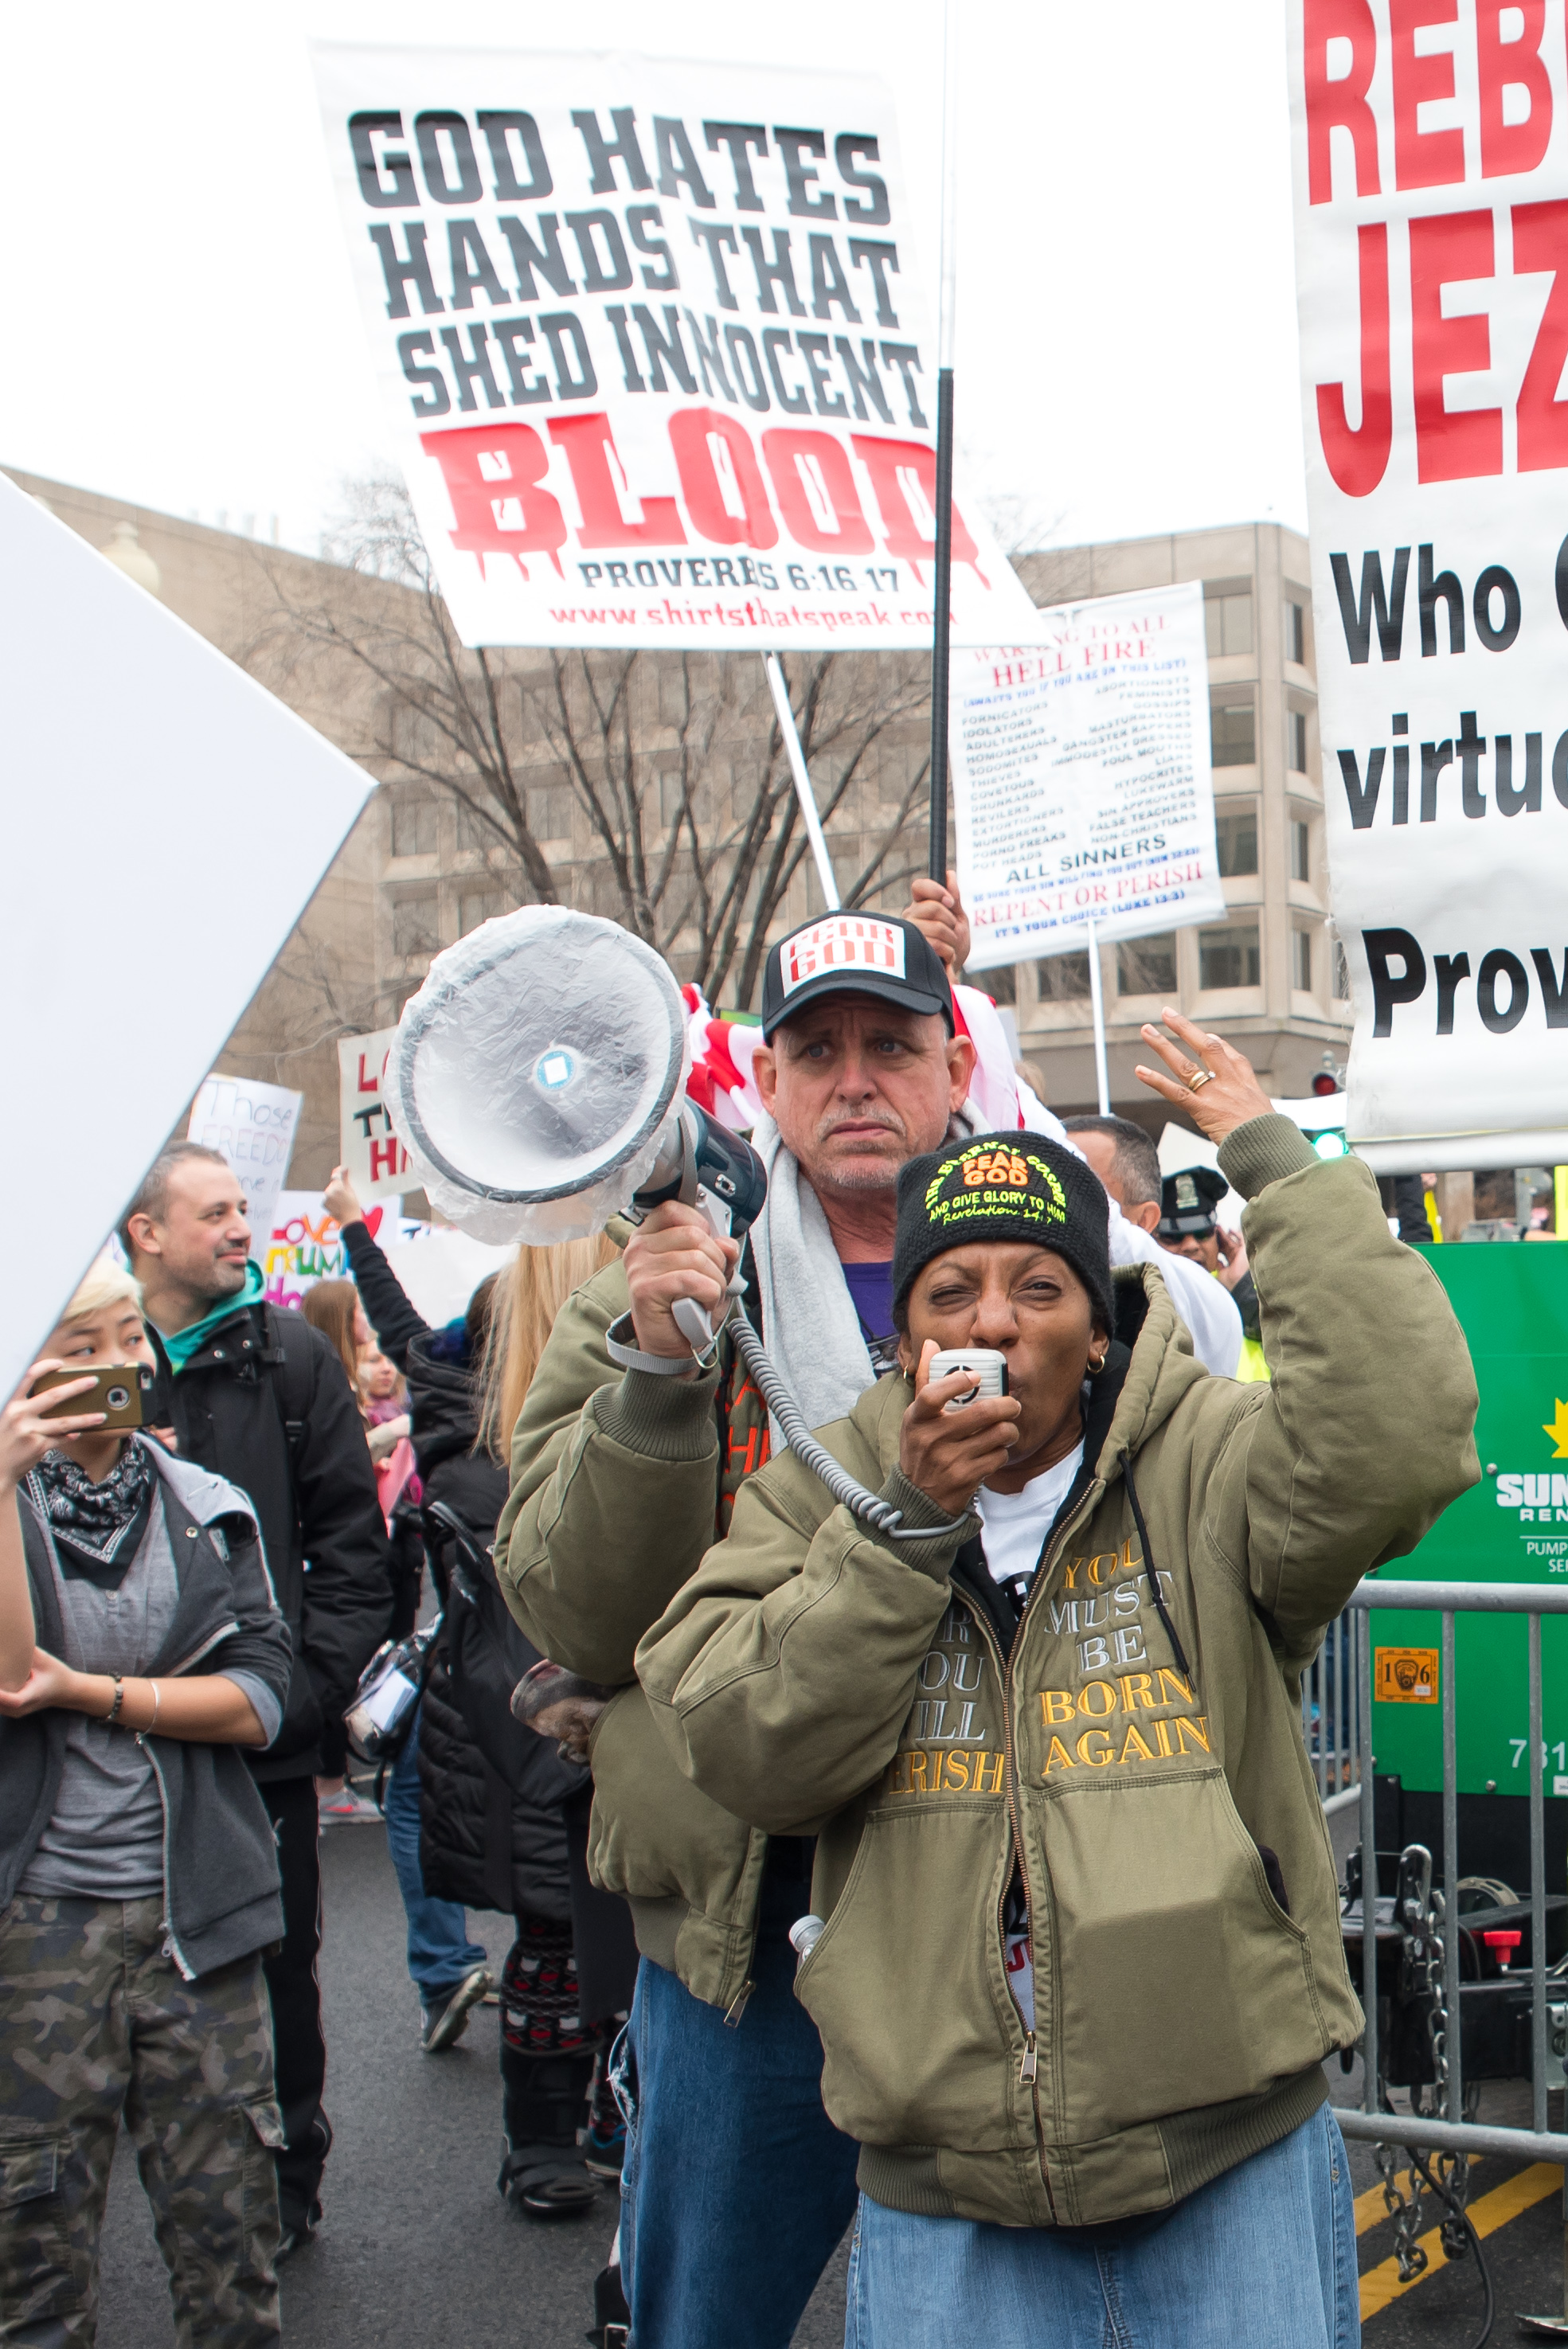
(1097, 1363)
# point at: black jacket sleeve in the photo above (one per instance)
(347, 1601)
(388, 1308)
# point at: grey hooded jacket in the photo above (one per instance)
(220, 1860)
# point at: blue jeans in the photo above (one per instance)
(439, 1952)
(1265, 2253)
(737, 2188)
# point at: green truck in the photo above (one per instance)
(1512, 1303)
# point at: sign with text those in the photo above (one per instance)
(1082, 786)
(377, 1161)
(252, 1126)
(1431, 202)
(650, 338)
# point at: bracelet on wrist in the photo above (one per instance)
(114, 1709)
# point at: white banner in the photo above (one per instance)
(254, 1126)
(1431, 179)
(1082, 787)
(655, 354)
(377, 1161)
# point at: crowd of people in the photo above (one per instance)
(955, 1880)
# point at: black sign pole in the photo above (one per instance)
(942, 615)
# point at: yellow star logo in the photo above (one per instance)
(1557, 1429)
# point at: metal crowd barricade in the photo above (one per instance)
(1454, 2134)
(1331, 1718)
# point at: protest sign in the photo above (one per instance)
(1083, 793)
(254, 1126)
(129, 794)
(1430, 151)
(306, 1244)
(656, 361)
(377, 1161)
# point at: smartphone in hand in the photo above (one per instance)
(117, 1390)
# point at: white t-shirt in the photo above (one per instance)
(1014, 1525)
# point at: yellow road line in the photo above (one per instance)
(1381, 2285)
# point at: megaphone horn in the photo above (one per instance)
(532, 1076)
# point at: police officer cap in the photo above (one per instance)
(1187, 1202)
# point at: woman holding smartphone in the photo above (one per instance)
(139, 1646)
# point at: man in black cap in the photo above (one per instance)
(625, 1467)
(1189, 1226)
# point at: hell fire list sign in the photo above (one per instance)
(651, 339)
(1430, 143)
(1082, 786)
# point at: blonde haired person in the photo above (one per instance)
(528, 1296)
(139, 1878)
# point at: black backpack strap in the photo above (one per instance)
(286, 1357)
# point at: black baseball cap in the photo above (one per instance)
(854, 954)
(1187, 1202)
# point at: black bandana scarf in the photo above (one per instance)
(98, 1528)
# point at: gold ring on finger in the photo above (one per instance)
(1198, 1079)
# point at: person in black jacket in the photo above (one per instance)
(259, 1397)
(493, 1834)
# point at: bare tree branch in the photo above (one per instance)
(676, 760)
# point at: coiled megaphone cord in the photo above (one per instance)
(879, 1515)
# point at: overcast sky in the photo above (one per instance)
(182, 331)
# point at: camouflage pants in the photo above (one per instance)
(97, 2025)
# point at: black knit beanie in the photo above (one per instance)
(1004, 1187)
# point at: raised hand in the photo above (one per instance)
(341, 1200)
(1224, 1098)
(938, 914)
(26, 1435)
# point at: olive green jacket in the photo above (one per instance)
(620, 1484)
(819, 1679)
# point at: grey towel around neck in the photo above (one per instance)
(810, 1327)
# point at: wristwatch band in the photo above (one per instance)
(627, 1357)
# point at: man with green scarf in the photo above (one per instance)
(256, 1394)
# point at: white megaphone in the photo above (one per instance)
(537, 1082)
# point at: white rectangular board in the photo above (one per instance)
(377, 1161)
(651, 338)
(1082, 785)
(1430, 156)
(142, 901)
(252, 1126)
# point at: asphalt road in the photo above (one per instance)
(418, 2247)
